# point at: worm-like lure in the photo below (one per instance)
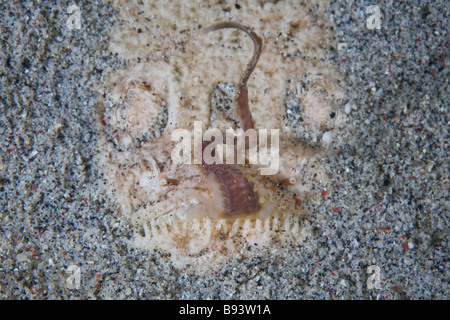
(239, 196)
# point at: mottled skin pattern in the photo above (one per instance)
(239, 195)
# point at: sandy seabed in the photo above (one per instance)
(378, 228)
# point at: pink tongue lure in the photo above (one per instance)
(237, 190)
(238, 193)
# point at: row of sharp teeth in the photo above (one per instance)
(205, 226)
